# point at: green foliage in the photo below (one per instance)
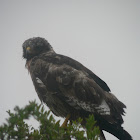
(49, 129)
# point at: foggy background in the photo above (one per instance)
(102, 35)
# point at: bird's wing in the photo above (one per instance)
(75, 64)
(81, 92)
(75, 85)
(61, 59)
(71, 83)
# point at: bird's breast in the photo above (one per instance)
(28, 63)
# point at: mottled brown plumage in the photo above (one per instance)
(67, 87)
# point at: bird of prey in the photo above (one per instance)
(70, 89)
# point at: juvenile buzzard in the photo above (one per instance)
(71, 90)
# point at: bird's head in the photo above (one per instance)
(35, 46)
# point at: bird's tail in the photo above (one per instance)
(118, 132)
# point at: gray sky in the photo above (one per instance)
(102, 35)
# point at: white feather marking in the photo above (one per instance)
(80, 77)
(103, 109)
(80, 104)
(52, 68)
(40, 83)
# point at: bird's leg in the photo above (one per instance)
(102, 137)
(65, 121)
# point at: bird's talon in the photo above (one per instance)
(64, 125)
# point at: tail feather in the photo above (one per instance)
(118, 132)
